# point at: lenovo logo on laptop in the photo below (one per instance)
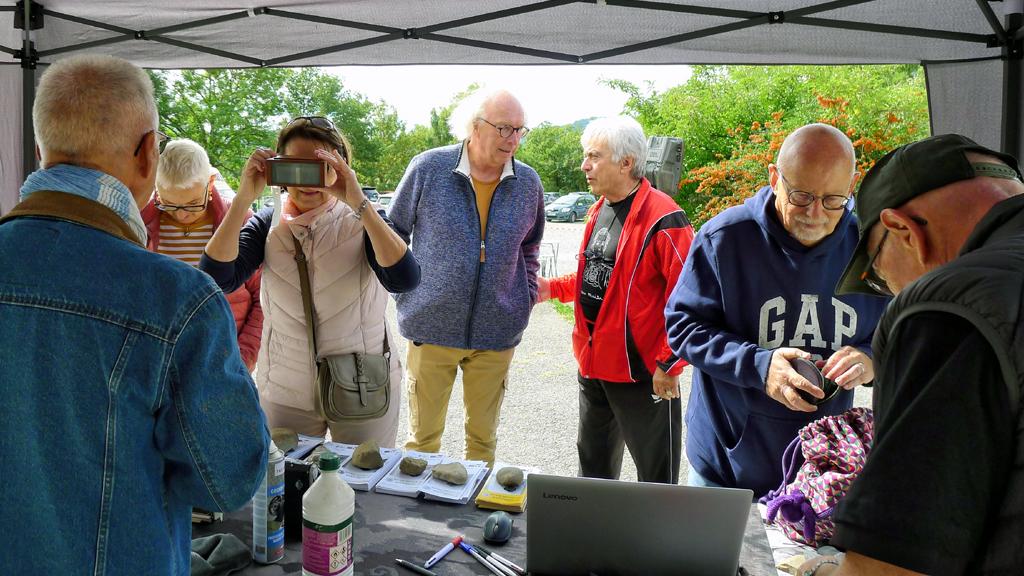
(561, 497)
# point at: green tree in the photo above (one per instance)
(395, 157)
(226, 111)
(392, 153)
(231, 112)
(555, 153)
(310, 92)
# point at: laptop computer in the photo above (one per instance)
(583, 526)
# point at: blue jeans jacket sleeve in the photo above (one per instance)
(210, 427)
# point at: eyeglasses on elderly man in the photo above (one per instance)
(804, 199)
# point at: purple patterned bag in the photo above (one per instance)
(834, 449)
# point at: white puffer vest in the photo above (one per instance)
(348, 299)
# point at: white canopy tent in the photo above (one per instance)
(971, 49)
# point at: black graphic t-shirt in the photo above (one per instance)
(600, 255)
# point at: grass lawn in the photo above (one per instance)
(564, 310)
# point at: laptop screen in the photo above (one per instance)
(582, 526)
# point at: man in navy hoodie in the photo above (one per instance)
(757, 292)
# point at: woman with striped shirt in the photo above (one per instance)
(181, 217)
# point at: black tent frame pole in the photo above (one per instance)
(1009, 38)
(993, 21)
(12, 51)
(745, 19)
(1013, 62)
(28, 90)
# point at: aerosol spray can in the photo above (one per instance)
(268, 511)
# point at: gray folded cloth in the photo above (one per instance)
(219, 555)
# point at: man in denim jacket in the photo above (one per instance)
(126, 402)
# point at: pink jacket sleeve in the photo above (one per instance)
(252, 329)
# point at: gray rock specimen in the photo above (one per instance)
(412, 466)
(367, 456)
(284, 438)
(510, 477)
(453, 473)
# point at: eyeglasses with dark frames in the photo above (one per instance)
(869, 276)
(505, 130)
(184, 207)
(804, 199)
(161, 141)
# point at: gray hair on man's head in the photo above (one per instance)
(92, 105)
(624, 137)
(183, 164)
(466, 113)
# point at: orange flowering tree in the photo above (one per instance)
(731, 180)
(733, 119)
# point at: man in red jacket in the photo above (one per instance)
(180, 219)
(634, 244)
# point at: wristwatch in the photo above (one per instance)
(362, 206)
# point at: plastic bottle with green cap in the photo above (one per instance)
(328, 508)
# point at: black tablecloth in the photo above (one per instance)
(389, 527)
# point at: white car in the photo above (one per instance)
(385, 199)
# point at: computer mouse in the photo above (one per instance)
(498, 528)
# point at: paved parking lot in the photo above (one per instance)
(562, 239)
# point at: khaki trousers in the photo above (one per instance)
(430, 373)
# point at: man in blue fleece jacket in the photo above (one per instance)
(756, 292)
(476, 217)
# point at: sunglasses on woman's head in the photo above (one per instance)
(321, 122)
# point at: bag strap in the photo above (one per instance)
(307, 297)
(307, 302)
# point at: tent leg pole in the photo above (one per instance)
(28, 137)
(1013, 70)
(28, 90)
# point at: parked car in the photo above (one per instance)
(385, 199)
(550, 197)
(371, 193)
(569, 208)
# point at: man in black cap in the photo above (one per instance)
(942, 228)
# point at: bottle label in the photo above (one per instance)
(326, 550)
(268, 516)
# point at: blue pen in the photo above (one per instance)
(443, 552)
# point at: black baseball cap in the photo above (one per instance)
(908, 172)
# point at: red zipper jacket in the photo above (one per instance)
(628, 342)
(245, 302)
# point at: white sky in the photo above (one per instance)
(556, 94)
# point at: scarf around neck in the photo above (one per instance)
(91, 184)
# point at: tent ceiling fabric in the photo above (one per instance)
(562, 32)
(960, 104)
(376, 32)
